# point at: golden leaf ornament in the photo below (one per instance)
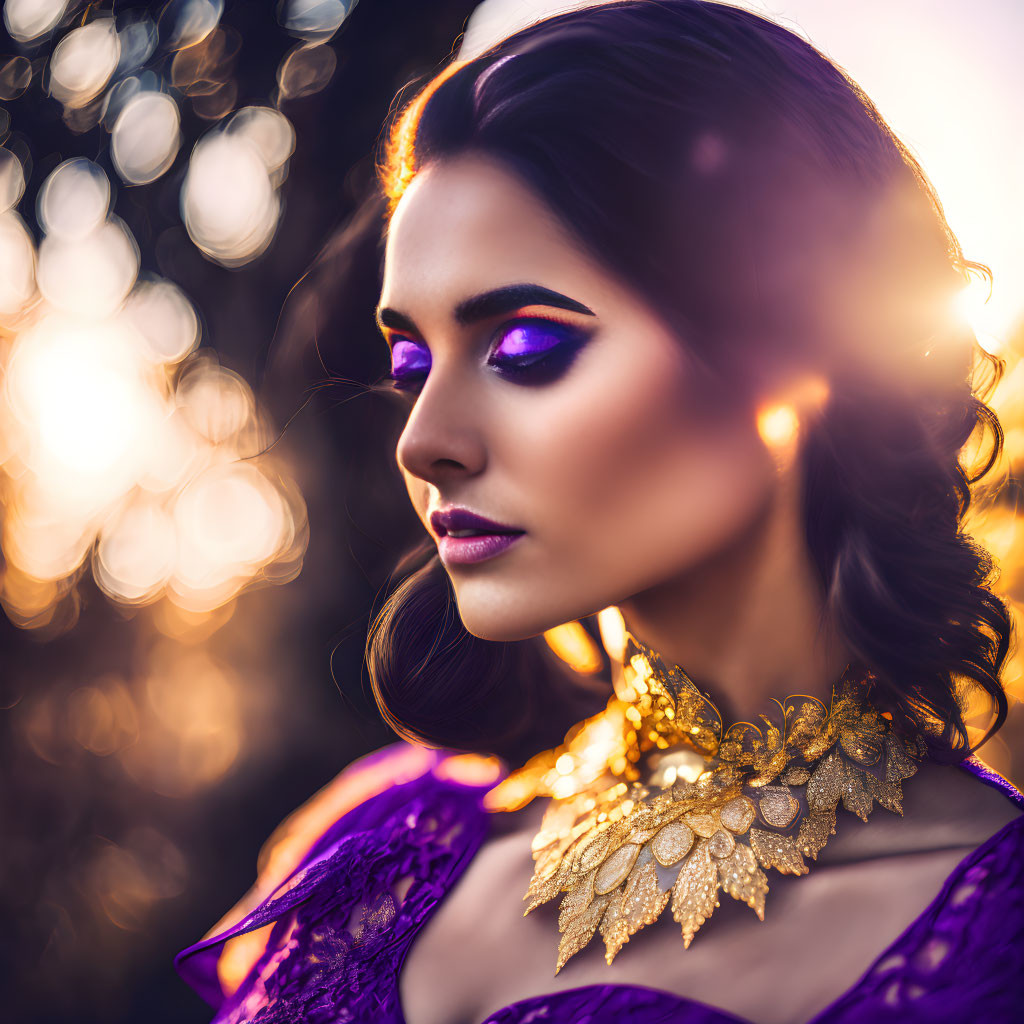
(654, 802)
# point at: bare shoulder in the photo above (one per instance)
(871, 882)
(945, 807)
(948, 797)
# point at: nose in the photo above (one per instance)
(443, 438)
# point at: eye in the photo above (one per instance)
(535, 350)
(410, 363)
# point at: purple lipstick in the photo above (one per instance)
(465, 537)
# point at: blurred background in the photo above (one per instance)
(199, 501)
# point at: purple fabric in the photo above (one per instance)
(346, 919)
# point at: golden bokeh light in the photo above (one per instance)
(124, 879)
(15, 76)
(82, 403)
(229, 199)
(17, 265)
(174, 725)
(228, 202)
(145, 138)
(304, 70)
(230, 521)
(30, 602)
(102, 718)
(138, 38)
(137, 552)
(119, 437)
(165, 320)
(190, 714)
(89, 276)
(12, 180)
(612, 627)
(74, 199)
(204, 72)
(185, 23)
(216, 402)
(269, 132)
(189, 627)
(574, 645)
(83, 61)
(27, 20)
(314, 20)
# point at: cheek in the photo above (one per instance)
(628, 470)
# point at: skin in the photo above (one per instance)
(634, 490)
(632, 487)
(821, 932)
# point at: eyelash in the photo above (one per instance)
(532, 369)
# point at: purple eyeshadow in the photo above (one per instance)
(530, 351)
(528, 339)
(407, 357)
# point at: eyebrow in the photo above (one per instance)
(490, 303)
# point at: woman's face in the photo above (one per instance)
(546, 396)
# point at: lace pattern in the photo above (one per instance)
(345, 920)
(962, 959)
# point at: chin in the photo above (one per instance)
(500, 621)
(487, 627)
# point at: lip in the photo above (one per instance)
(465, 550)
(492, 539)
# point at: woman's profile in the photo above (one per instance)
(670, 311)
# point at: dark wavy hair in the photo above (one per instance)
(751, 192)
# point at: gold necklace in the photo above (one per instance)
(654, 802)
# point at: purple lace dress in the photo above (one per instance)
(342, 923)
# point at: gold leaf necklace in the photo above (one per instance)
(654, 803)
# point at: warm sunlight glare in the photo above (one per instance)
(972, 306)
(574, 645)
(778, 425)
(613, 632)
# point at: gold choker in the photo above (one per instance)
(653, 801)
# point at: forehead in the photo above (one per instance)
(467, 224)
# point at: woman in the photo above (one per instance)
(671, 311)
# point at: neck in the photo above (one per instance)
(747, 624)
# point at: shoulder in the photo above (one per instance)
(357, 800)
(351, 790)
(304, 829)
(953, 869)
(964, 804)
(945, 807)
(962, 958)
